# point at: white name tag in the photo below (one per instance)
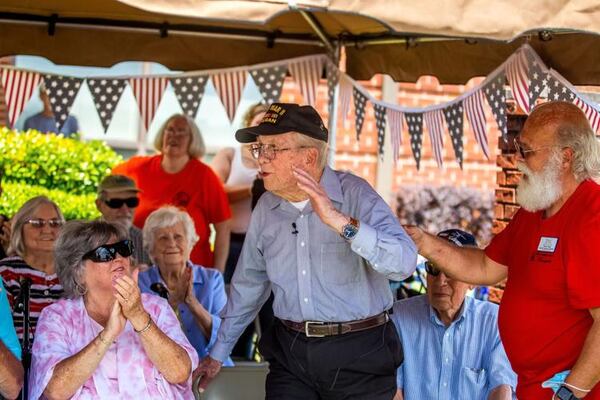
(547, 244)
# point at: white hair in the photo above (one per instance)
(166, 217)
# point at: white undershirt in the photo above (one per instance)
(299, 204)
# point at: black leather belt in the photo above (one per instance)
(322, 329)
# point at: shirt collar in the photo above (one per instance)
(465, 309)
(330, 182)
(197, 274)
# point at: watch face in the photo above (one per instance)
(565, 394)
(349, 231)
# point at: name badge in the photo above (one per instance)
(547, 244)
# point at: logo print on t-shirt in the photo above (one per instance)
(181, 199)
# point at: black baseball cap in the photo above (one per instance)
(458, 237)
(286, 117)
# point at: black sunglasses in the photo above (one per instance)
(432, 269)
(108, 252)
(131, 202)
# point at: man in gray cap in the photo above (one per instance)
(326, 244)
(117, 200)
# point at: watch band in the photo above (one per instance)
(564, 393)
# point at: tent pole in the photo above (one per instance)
(333, 113)
(316, 26)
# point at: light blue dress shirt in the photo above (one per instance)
(314, 273)
(44, 124)
(8, 335)
(466, 360)
(209, 289)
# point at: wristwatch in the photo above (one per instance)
(350, 229)
(564, 393)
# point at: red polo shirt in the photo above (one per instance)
(553, 279)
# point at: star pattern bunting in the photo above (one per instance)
(537, 82)
(414, 121)
(380, 122)
(106, 94)
(558, 91)
(189, 91)
(270, 82)
(333, 77)
(454, 122)
(360, 101)
(496, 97)
(62, 91)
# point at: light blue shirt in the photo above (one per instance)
(209, 289)
(314, 273)
(8, 336)
(466, 360)
(45, 124)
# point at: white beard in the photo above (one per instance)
(540, 189)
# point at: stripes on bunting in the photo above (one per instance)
(435, 126)
(307, 74)
(345, 96)
(229, 87)
(18, 89)
(476, 116)
(590, 112)
(148, 92)
(395, 122)
(516, 73)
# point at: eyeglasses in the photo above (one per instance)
(39, 223)
(432, 269)
(269, 151)
(108, 252)
(524, 153)
(131, 202)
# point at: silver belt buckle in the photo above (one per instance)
(307, 324)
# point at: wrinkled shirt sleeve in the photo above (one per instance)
(220, 299)
(249, 291)
(49, 349)
(381, 240)
(500, 371)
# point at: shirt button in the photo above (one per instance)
(301, 215)
(446, 360)
(303, 272)
(445, 384)
(46, 292)
(359, 249)
(375, 265)
(306, 299)
(302, 244)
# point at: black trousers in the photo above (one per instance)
(357, 366)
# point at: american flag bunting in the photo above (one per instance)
(307, 74)
(590, 112)
(18, 86)
(229, 87)
(435, 126)
(496, 98)
(106, 93)
(414, 121)
(360, 102)
(380, 123)
(516, 72)
(148, 93)
(475, 114)
(395, 121)
(454, 121)
(189, 91)
(61, 91)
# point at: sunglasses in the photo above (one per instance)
(432, 269)
(131, 202)
(108, 252)
(39, 223)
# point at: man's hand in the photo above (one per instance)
(416, 234)
(207, 370)
(321, 203)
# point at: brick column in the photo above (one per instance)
(3, 109)
(505, 205)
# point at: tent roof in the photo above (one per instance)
(453, 40)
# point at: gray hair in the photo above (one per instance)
(25, 213)
(197, 148)
(76, 239)
(166, 217)
(320, 145)
(573, 130)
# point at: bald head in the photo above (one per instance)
(569, 128)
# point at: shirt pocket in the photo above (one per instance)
(473, 383)
(338, 264)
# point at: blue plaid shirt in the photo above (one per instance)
(314, 273)
(465, 360)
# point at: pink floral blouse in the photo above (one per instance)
(126, 372)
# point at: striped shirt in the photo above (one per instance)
(45, 290)
(465, 360)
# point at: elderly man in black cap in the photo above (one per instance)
(326, 244)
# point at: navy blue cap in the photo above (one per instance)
(458, 237)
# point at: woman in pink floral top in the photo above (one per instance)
(107, 340)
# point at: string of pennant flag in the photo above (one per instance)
(528, 77)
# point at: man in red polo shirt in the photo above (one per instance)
(549, 318)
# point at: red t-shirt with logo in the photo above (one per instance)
(195, 188)
(553, 279)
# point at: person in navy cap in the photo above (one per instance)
(452, 348)
(326, 244)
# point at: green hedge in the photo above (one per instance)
(54, 162)
(73, 206)
(66, 170)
